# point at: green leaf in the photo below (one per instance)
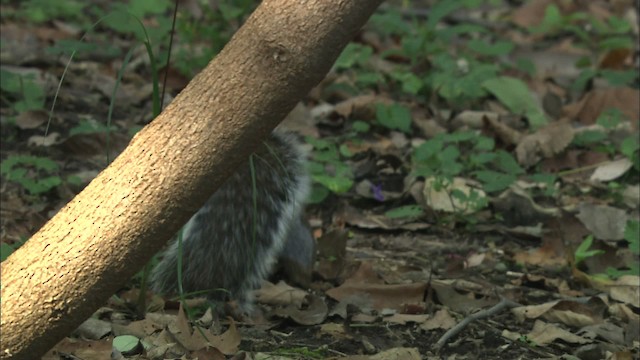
(629, 146)
(583, 252)
(391, 22)
(507, 163)
(499, 48)
(5, 251)
(585, 138)
(619, 78)
(40, 186)
(394, 117)
(616, 42)
(411, 84)
(583, 79)
(609, 118)
(515, 95)
(632, 236)
(361, 126)
(318, 144)
(126, 343)
(318, 194)
(552, 20)
(484, 143)
(335, 184)
(526, 65)
(428, 149)
(353, 54)
(548, 180)
(327, 155)
(368, 78)
(494, 181)
(142, 8)
(44, 10)
(89, 127)
(441, 9)
(450, 154)
(480, 159)
(345, 151)
(461, 136)
(407, 211)
(40, 163)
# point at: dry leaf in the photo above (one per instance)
(441, 320)
(31, 119)
(546, 142)
(543, 333)
(605, 222)
(442, 200)
(587, 110)
(611, 170)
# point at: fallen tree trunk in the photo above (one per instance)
(106, 233)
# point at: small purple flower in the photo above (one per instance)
(377, 192)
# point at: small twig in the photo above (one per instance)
(504, 303)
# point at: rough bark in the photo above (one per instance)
(106, 233)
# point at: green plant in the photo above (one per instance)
(355, 58)
(630, 147)
(394, 117)
(584, 250)
(597, 35)
(599, 140)
(36, 174)
(300, 352)
(39, 11)
(407, 211)
(632, 237)
(6, 249)
(204, 38)
(90, 126)
(24, 93)
(613, 33)
(328, 171)
(516, 96)
(469, 154)
(459, 80)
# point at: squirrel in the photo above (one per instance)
(255, 218)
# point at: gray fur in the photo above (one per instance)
(298, 255)
(220, 252)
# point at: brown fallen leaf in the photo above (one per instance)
(280, 294)
(568, 312)
(604, 222)
(227, 343)
(544, 143)
(81, 349)
(587, 110)
(460, 300)
(381, 295)
(440, 320)
(530, 13)
(440, 198)
(544, 333)
(332, 252)
(505, 133)
(31, 119)
(315, 313)
(611, 170)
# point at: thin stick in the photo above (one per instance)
(504, 303)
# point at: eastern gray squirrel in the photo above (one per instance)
(233, 242)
